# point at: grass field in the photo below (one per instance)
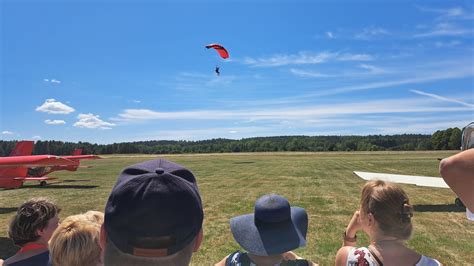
(322, 183)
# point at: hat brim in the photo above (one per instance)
(265, 239)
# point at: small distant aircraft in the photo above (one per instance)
(21, 166)
(467, 142)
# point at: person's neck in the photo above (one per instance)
(383, 242)
(266, 260)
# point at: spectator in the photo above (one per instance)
(31, 229)
(458, 172)
(153, 216)
(76, 242)
(269, 234)
(385, 216)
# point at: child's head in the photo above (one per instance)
(389, 205)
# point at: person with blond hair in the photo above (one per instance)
(31, 229)
(385, 215)
(76, 242)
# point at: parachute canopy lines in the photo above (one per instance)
(220, 49)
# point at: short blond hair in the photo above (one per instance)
(76, 242)
(95, 217)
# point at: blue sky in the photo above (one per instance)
(104, 72)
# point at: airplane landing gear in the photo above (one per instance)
(458, 202)
(43, 183)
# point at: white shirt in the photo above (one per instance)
(356, 253)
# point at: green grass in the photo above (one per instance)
(322, 183)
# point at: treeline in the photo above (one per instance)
(449, 139)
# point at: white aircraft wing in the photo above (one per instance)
(424, 181)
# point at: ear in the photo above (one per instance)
(370, 219)
(198, 241)
(40, 232)
(103, 237)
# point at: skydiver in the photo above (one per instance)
(217, 71)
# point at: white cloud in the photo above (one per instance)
(451, 13)
(55, 122)
(382, 106)
(305, 58)
(92, 121)
(447, 44)
(373, 69)
(310, 74)
(370, 33)
(36, 137)
(355, 57)
(52, 81)
(420, 78)
(294, 59)
(442, 98)
(233, 131)
(445, 29)
(330, 35)
(136, 101)
(6, 132)
(51, 106)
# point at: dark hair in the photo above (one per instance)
(390, 207)
(32, 215)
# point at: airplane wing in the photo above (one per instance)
(81, 157)
(424, 181)
(44, 178)
(35, 161)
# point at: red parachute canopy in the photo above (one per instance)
(220, 49)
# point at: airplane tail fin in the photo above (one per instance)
(23, 148)
(77, 152)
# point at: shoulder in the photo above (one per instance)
(343, 254)
(38, 259)
(427, 261)
(222, 262)
(229, 259)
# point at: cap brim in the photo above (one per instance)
(270, 238)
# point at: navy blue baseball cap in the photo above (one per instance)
(154, 209)
(274, 228)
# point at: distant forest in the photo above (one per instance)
(449, 139)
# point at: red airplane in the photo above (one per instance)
(21, 166)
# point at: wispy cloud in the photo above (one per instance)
(279, 113)
(92, 121)
(136, 101)
(54, 122)
(373, 69)
(445, 29)
(51, 106)
(52, 81)
(371, 33)
(355, 57)
(305, 58)
(295, 59)
(442, 98)
(6, 132)
(449, 13)
(311, 74)
(330, 35)
(421, 78)
(36, 137)
(447, 44)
